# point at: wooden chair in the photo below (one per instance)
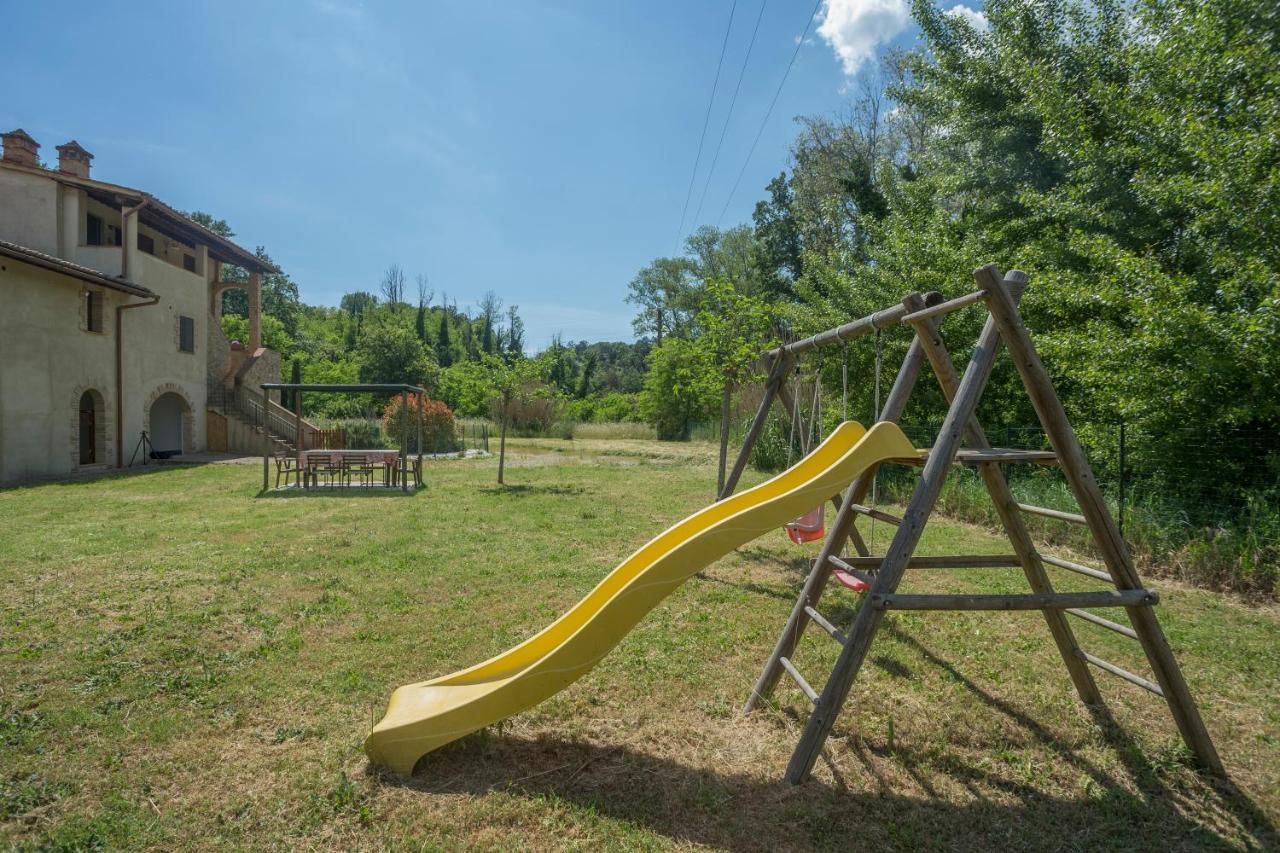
(318, 464)
(286, 467)
(358, 465)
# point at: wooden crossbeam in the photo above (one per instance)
(1073, 517)
(948, 561)
(981, 455)
(879, 515)
(1032, 601)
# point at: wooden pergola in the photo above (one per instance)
(300, 388)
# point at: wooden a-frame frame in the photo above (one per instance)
(1003, 329)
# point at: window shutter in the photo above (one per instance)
(186, 334)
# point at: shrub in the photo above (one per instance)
(533, 411)
(439, 428)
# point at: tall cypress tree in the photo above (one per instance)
(444, 351)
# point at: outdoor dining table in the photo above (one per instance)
(381, 456)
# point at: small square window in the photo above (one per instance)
(186, 334)
(93, 310)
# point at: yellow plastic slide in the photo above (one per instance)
(424, 716)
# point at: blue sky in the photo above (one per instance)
(538, 149)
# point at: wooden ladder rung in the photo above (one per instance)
(1105, 623)
(1077, 568)
(1031, 601)
(799, 679)
(850, 565)
(1073, 517)
(1122, 673)
(943, 561)
(876, 514)
(823, 623)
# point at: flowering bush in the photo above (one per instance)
(439, 429)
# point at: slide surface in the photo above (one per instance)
(426, 715)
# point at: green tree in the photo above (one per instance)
(444, 347)
(510, 381)
(662, 292)
(390, 353)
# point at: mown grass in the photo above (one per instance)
(188, 665)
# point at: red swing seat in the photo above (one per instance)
(809, 527)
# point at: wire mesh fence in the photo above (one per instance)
(1201, 505)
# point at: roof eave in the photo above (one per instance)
(57, 265)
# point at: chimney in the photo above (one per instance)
(74, 160)
(20, 148)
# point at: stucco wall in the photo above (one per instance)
(29, 210)
(47, 360)
(46, 363)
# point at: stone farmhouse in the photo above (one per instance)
(110, 326)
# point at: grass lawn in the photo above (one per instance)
(188, 665)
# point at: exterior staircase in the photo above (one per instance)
(248, 426)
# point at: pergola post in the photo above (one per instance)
(404, 440)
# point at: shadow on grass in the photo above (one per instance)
(984, 805)
(704, 806)
(353, 492)
(521, 490)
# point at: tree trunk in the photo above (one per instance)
(724, 437)
(502, 442)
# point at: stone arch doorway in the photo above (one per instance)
(92, 429)
(169, 423)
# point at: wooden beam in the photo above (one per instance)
(777, 374)
(946, 307)
(870, 323)
(825, 624)
(879, 515)
(1030, 601)
(799, 679)
(979, 456)
(1123, 630)
(957, 561)
(1045, 512)
(1002, 497)
(1122, 673)
(1077, 568)
(867, 622)
(842, 530)
(1002, 308)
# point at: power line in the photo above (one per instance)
(705, 122)
(732, 101)
(799, 44)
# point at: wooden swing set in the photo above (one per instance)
(882, 575)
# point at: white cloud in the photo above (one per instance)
(976, 19)
(855, 28)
